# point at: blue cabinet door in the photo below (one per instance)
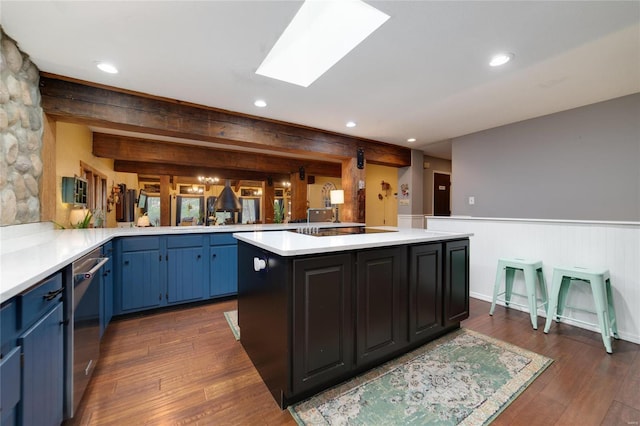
(185, 274)
(223, 270)
(10, 387)
(42, 371)
(141, 287)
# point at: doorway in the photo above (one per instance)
(441, 194)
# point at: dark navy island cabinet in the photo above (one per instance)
(311, 321)
(157, 271)
(32, 356)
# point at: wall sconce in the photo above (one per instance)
(337, 198)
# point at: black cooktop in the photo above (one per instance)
(332, 232)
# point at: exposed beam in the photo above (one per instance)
(149, 151)
(98, 105)
(157, 169)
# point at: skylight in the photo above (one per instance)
(321, 33)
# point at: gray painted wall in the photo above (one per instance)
(578, 164)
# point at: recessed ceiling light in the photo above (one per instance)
(260, 103)
(321, 33)
(411, 140)
(107, 67)
(351, 124)
(501, 59)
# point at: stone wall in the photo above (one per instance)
(20, 136)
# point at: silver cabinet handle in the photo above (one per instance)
(259, 264)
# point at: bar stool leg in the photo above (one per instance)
(553, 300)
(565, 284)
(508, 283)
(612, 310)
(602, 310)
(530, 282)
(543, 289)
(496, 287)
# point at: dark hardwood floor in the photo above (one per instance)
(184, 366)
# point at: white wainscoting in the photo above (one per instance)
(610, 245)
(411, 221)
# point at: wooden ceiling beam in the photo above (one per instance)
(157, 169)
(148, 151)
(98, 105)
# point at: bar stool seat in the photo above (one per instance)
(600, 283)
(531, 269)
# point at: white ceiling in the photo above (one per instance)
(423, 74)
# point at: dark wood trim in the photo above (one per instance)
(298, 196)
(157, 169)
(130, 149)
(98, 105)
(165, 202)
(353, 209)
(48, 180)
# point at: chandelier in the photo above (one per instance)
(208, 180)
(195, 189)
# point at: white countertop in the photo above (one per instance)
(32, 252)
(286, 243)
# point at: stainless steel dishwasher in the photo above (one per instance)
(85, 332)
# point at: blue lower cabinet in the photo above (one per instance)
(10, 387)
(152, 272)
(185, 274)
(141, 286)
(43, 371)
(223, 270)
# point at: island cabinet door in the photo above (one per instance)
(425, 291)
(322, 321)
(380, 315)
(456, 287)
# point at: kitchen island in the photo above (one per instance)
(315, 310)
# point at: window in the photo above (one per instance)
(96, 192)
(188, 208)
(153, 210)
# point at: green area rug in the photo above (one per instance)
(463, 378)
(232, 319)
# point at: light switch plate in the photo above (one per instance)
(472, 200)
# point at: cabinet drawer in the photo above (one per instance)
(140, 243)
(34, 303)
(8, 326)
(222, 239)
(9, 383)
(184, 241)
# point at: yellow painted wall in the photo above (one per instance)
(381, 212)
(74, 144)
(314, 191)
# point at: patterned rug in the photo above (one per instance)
(232, 319)
(463, 378)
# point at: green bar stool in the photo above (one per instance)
(531, 269)
(600, 283)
